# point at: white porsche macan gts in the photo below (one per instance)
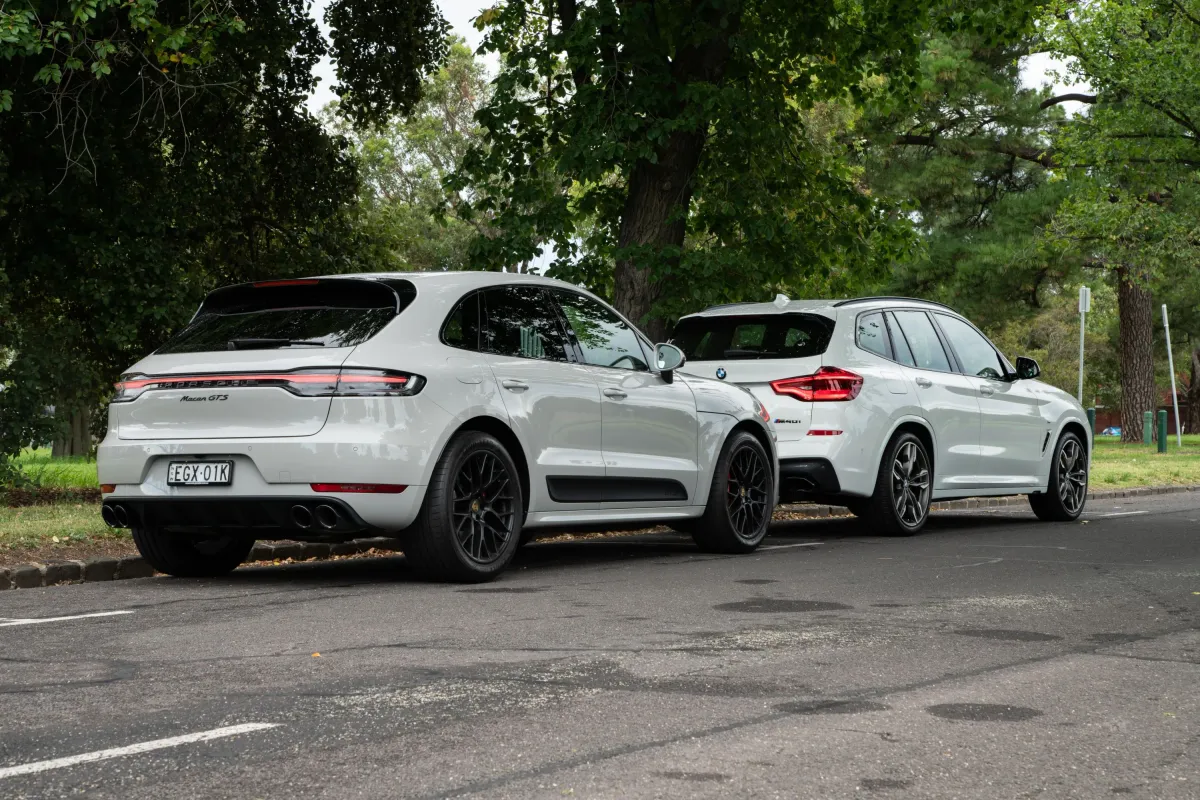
(885, 404)
(461, 410)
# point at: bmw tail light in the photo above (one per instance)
(303, 383)
(825, 385)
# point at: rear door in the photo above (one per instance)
(754, 349)
(257, 360)
(947, 398)
(650, 427)
(553, 402)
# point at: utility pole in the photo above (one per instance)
(1171, 367)
(1085, 305)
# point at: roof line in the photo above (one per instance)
(841, 303)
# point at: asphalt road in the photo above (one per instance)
(994, 656)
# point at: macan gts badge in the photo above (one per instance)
(461, 411)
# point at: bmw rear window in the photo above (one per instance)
(281, 315)
(733, 338)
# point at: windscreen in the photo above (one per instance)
(732, 338)
(292, 314)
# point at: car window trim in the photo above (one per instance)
(995, 351)
(554, 291)
(483, 323)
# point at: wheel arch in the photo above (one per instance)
(919, 429)
(497, 428)
(763, 438)
(1076, 427)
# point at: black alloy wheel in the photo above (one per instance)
(471, 520)
(484, 507)
(748, 491)
(740, 499)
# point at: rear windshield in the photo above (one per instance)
(732, 338)
(287, 315)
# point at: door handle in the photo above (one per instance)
(986, 391)
(615, 394)
(924, 382)
(516, 386)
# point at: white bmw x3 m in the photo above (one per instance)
(885, 404)
(466, 409)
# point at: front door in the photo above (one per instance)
(650, 427)
(1012, 431)
(947, 399)
(553, 403)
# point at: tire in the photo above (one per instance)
(1067, 494)
(471, 522)
(903, 489)
(740, 497)
(187, 556)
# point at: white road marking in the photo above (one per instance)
(979, 563)
(785, 546)
(1028, 547)
(1125, 513)
(5, 622)
(133, 749)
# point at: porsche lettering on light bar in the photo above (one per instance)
(303, 383)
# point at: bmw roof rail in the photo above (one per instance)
(727, 305)
(841, 303)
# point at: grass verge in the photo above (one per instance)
(1123, 466)
(60, 531)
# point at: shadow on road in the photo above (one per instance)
(603, 551)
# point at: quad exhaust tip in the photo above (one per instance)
(327, 516)
(115, 516)
(302, 517)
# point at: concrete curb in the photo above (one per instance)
(29, 576)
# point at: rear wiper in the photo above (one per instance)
(254, 344)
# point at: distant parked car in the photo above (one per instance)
(884, 404)
(460, 408)
(1111, 431)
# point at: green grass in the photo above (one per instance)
(42, 470)
(1120, 466)
(60, 527)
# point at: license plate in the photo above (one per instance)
(199, 473)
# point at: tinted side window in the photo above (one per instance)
(899, 344)
(873, 334)
(923, 340)
(462, 326)
(606, 341)
(974, 352)
(522, 322)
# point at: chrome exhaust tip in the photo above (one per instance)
(121, 516)
(301, 517)
(327, 516)
(109, 517)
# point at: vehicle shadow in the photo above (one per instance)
(600, 551)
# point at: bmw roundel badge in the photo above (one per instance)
(721, 373)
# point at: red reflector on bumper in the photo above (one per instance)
(359, 488)
(824, 432)
(107, 488)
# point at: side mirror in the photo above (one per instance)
(1027, 368)
(667, 359)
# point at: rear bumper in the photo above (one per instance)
(807, 479)
(261, 517)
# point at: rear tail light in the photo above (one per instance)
(826, 384)
(303, 383)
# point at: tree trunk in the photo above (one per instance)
(659, 193)
(77, 439)
(1135, 308)
(656, 216)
